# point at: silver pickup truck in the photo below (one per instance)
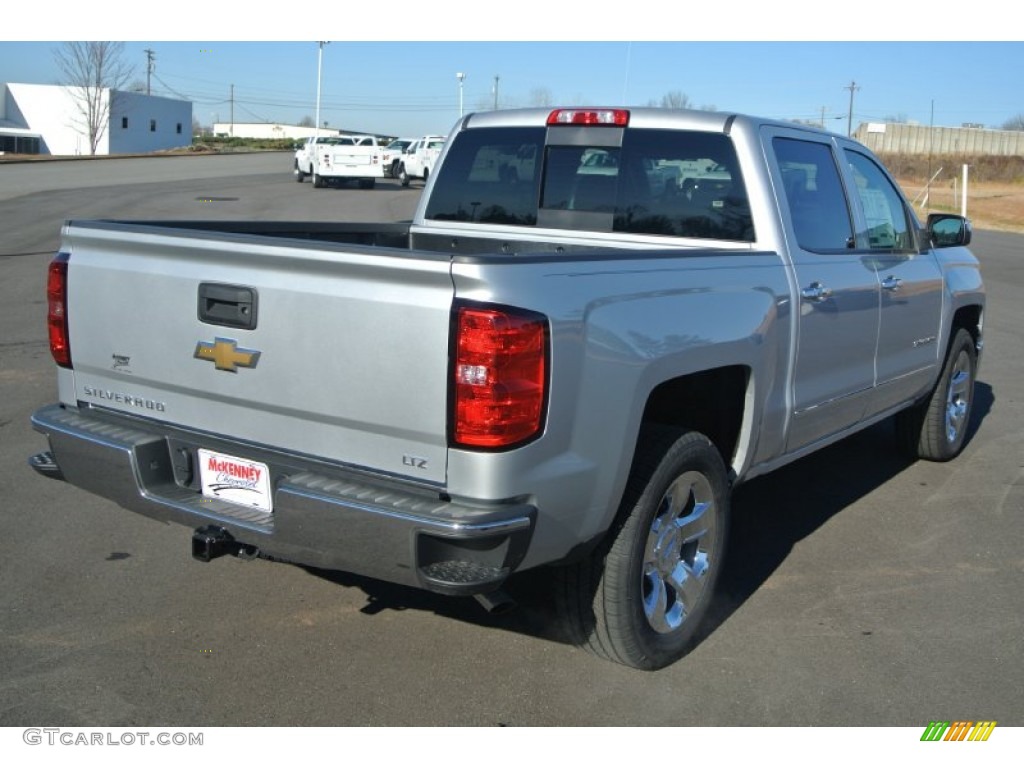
(561, 361)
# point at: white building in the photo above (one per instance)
(269, 130)
(51, 120)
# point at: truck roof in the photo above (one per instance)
(638, 117)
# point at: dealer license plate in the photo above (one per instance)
(239, 481)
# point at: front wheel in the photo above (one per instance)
(937, 428)
(403, 175)
(318, 180)
(640, 598)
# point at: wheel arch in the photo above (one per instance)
(712, 402)
(971, 319)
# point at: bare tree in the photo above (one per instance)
(541, 97)
(307, 122)
(94, 70)
(672, 100)
(676, 100)
(1015, 123)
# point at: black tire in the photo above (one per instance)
(299, 175)
(639, 599)
(403, 176)
(393, 173)
(936, 429)
(318, 180)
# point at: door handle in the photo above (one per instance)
(892, 283)
(816, 292)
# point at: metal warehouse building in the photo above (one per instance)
(50, 120)
(922, 139)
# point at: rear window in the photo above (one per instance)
(490, 175)
(659, 182)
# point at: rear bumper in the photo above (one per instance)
(323, 516)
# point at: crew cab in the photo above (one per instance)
(348, 158)
(420, 158)
(551, 366)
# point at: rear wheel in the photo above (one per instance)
(640, 598)
(403, 176)
(937, 428)
(318, 180)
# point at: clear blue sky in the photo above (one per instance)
(410, 87)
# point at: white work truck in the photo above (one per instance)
(420, 158)
(393, 156)
(348, 158)
(302, 165)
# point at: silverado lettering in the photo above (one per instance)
(121, 397)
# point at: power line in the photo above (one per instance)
(169, 89)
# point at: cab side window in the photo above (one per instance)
(814, 192)
(888, 227)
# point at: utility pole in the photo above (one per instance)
(823, 116)
(319, 72)
(232, 132)
(931, 134)
(849, 117)
(496, 79)
(150, 53)
(460, 76)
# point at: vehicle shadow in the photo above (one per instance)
(770, 515)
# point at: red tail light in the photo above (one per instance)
(499, 376)
(57, 313)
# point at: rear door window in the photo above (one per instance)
(682, 184)
(814, 193)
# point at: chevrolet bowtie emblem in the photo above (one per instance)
(226, 355)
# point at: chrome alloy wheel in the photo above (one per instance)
(679, 552)
(958, 397)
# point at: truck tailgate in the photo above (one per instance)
(346, 360)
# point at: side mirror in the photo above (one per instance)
(947, 229)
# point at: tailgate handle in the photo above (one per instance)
(233, 306)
